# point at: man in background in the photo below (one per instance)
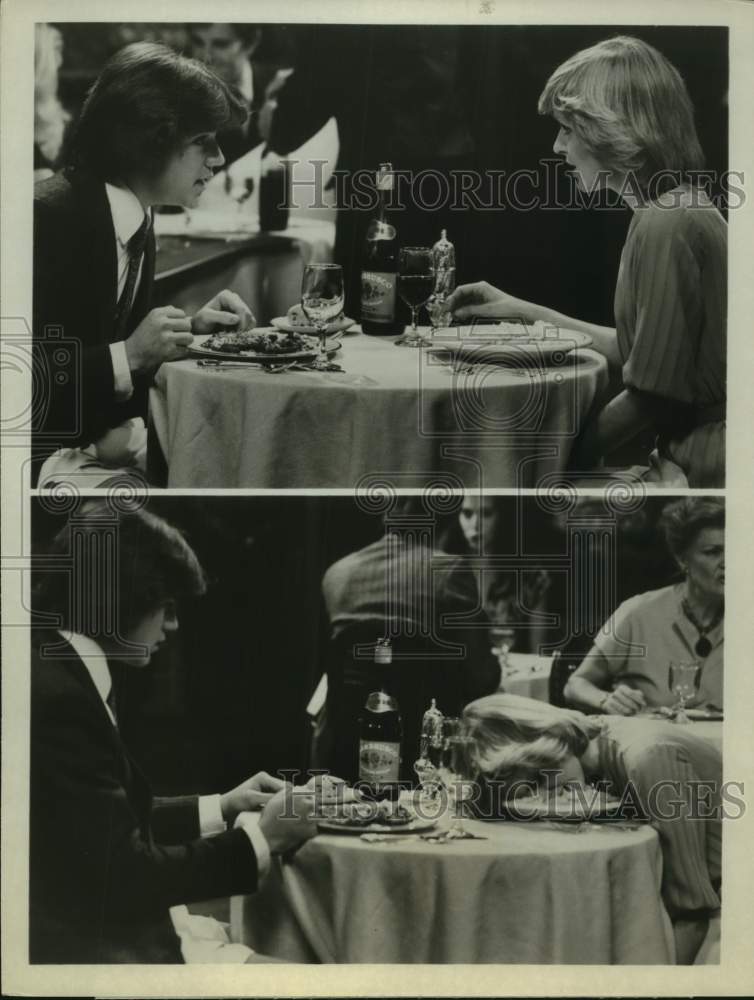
(402, 588)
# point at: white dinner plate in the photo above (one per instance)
(511, 345)
(197, 350)
(337, 326)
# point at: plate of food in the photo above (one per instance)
(511, 344)
(372, 817)
(263, 344)
(295, 321)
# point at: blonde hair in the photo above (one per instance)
(518, 738)
(629, 105)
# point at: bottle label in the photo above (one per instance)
(379, 762)
(378, 290)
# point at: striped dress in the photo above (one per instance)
(650, 754)
(670, 312)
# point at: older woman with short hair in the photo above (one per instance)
(626, 123)
(627, 668)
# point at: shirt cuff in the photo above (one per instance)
(249, 823)
(211, 820)
(124, 387)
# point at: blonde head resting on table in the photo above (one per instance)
(519, 739)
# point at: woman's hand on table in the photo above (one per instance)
(163, 335)
(227, 310)
(481, 299)
(623, 701)
(254, 793)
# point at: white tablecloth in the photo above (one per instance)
(396, 415)
(527, 894)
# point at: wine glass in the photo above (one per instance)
(683, 681)
(457, 770)
(504, 638)
(322, 301)
(416, 282)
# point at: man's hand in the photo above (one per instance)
(482, 299)
(163, 335)
(254, 793)
(227, 310)
(623, 701)
(286, 820)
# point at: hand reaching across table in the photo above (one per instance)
(481, 299)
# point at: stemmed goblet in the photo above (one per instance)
(683, 681)
(416, 282)
(322, 301)
(457, 770)
(504, 638)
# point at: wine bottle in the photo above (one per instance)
(379, 268)
(380, 737)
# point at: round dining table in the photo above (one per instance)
(399, 415)
(528, 893)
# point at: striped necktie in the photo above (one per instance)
(135, 251)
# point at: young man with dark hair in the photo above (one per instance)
(110, 865)
(146, 136)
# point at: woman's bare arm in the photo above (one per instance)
(589, 688)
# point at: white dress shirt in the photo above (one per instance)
(203, 939)
(128, 215)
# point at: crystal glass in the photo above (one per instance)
(322, 301)
(457, 769)
(416, 282)
(683, 681)
(504, 638)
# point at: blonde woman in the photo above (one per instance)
(626, 123)
(50, 118)
(522, 740)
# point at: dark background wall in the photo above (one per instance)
(228, 695)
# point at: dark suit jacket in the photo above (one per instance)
(107, 859)
(75, 292)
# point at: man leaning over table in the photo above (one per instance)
(146, 136)
(111, 867)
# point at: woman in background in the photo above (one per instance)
(513, 599)
(50, 118)
(627, 668)
(523, 740)
(626, 123)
